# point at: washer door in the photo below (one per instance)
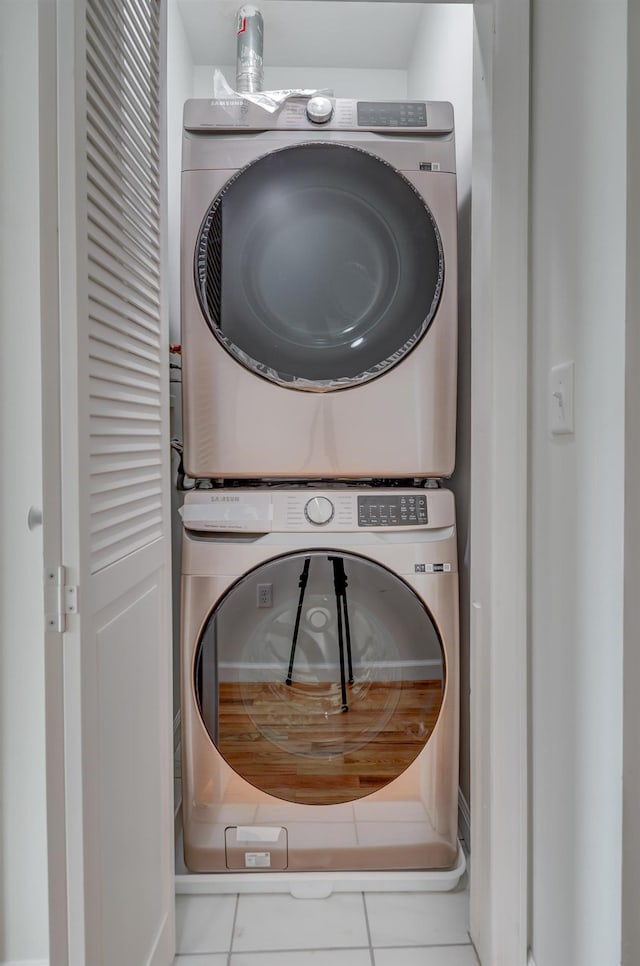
(319, 266)
(319, 676)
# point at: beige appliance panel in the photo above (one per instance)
(408, 823)
(397, 423)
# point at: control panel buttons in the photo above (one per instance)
(319, 110)
(404, 510)
(319, 511)
(392, 114)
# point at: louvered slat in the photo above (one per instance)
(116, 198)
(144, 41)
(118, 214)
(115, 374)
(108, 308)
(106, 348)
(123, 234)
(122, 183)
(116, 155)
(103, 96)
(126, 483)
(122, 540)
(104, 410)
(128, 245)
(114, 285)
(105, 32)
(113, 259)
(121, 496)
(128, 95)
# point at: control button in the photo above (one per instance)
(319, 110)
(319, 510)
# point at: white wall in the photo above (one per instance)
(23, 864)
(343, 81)
(578, 184)
(441, 69)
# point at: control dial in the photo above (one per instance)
(319, 109)
(319, 510)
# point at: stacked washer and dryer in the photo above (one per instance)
(319, 648)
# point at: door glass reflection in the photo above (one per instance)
(320, 677)
(319, 266)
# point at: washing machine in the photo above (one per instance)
(319, 663)
(319, 289)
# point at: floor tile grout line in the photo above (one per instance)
(289, 949)
(368, 928)
(424, 945)
(233, 928)
(250, 953)
(473, 946)
(341, 949)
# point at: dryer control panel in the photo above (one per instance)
(374, 114)
(236, 114)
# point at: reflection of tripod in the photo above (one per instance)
(340, 582)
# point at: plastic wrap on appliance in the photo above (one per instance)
(269, 101)
(227, 515)
(328, 385)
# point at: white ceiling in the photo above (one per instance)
(314, 33)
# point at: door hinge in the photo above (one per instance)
(60, 597)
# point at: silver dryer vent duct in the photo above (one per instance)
(250, 32)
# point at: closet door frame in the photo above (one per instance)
(499, 499)
(499, 877)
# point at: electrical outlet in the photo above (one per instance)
(264, 595)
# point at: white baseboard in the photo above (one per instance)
(464, 821)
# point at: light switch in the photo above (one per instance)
(561, 399)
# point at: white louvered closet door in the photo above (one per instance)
(115, 487)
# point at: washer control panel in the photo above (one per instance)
(327, 511)
(402, 510)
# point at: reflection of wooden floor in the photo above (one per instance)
(269, 737)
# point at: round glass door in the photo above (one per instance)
(319, 677)
(319, 266)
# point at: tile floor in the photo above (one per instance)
(347, 929)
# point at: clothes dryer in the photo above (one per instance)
(319, 289)
(319, 680)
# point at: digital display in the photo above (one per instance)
(397, 114)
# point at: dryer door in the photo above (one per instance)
(319, 266)
(319, 677)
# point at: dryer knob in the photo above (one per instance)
(319, 511)
(319, 110)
